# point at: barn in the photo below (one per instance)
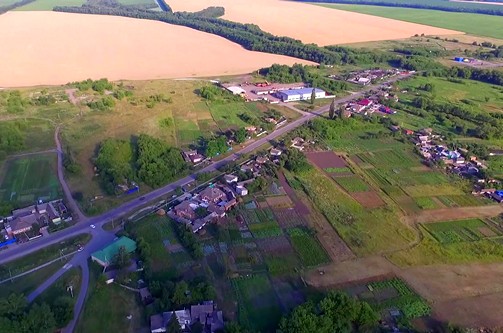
(303, 94)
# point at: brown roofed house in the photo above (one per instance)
(212, 194)
(185, 210)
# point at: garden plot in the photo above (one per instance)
(244, 259)
(390, 158)
(465, 200)
(310, 251)
(277, 245)
(258, 307)
(369, 199)
(280, 201)
(288, 292)
(461, 231)
(288, 218)
(352, 184)
(326, 160)
(395, 294)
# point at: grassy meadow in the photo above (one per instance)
(476, 24)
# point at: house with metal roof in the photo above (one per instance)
(303, 94)
(106, 256)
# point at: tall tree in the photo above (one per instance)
(313, 96)
(173, 324)
(122, 258)
(331, 111)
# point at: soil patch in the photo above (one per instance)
(368, 199)
(326, 159)
(299, 206)
(70, 47)
(282, 201)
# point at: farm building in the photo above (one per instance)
(236, 90)
(106, 256)
(303, 94)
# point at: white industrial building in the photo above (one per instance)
(236, 90)
(302, 94)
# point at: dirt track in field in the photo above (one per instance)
(447, 214)
(311, 23)
(54, 48)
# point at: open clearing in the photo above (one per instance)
(476, 24)
(293, 19)
(70, 47)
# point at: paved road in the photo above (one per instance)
(100, 239)
(128, 207)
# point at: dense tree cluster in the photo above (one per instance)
(102, 104)
(11, 138)
(13, 101)
(215, 146)
(216, 94)
(148, 159)
(337, 312)
(188, 240)
(97, 85)
(211, 12)
(115, 163)
(448, 6)
(174, 295)
(16, 316)
(295, 161)
(158, 163)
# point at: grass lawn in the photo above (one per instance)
(27, 179)
(265, 229)
(432, 190)
(476, 24)
(106, 310)
(258, 307)
(281, 265)
(42, 256)
(49, 4)
(28, 283)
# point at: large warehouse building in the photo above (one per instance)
(303, 94)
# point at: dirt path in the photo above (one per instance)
(61, 176)
(446, 214)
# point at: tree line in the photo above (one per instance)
(447, 6)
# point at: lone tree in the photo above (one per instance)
(173, 324)
(331, 111)
(313, 96)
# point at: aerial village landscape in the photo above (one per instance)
(199, 166)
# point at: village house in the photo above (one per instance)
(186, 210)
(276, 152)
(206, 314)
(212, 194)
(192, 156)
(298, 143)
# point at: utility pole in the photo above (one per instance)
(61, 254)
(70, 288)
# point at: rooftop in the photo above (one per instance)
(107, 254)
(301, 91)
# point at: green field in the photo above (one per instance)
(352, 184)
(459, 231)
(310, 251)
(49, 4)
(28, 179)
(476, 24)
(258, 308)
(426, 203)
(265, 229)
(45, 5)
